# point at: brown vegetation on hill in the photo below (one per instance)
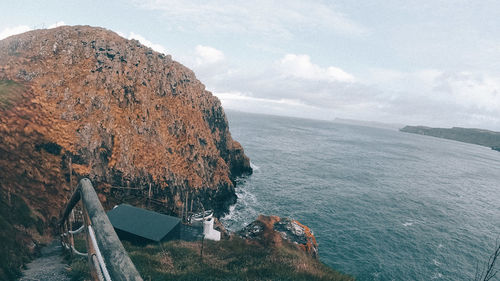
(119, 112)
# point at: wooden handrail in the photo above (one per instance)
(103, 244)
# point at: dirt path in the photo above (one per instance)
(50, 266)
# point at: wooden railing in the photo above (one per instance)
(107, 257)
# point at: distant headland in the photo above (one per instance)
(468, 135)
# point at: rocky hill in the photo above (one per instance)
(85, 100)
(474, 136)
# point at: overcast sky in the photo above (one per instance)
(433, 63)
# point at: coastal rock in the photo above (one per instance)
(273, 231)
(120, 114)
(224, 233)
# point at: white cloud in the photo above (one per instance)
(296, 87)
(248, 103)
(9, 31)
(300, 66)
(473, 91)
(266, 18)
(57, 24)
(293, 86)
(144, 41)
(208, 63)
(392, 80)
(208, 55)
(246, 98)
(462, 88)
(439, 98)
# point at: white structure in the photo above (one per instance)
(208, 230)
(201, 216)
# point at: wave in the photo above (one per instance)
(243, 212)
(254, 167)
(437, 275)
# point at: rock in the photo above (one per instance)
(122, 115)
(129, 122)
(273, 231)
(220, 227)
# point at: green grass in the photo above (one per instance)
(233, 259)
(9, 93)
(79, 267)
(227, 260)
(80, 242)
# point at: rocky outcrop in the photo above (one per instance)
(274, 231)
(117, 112)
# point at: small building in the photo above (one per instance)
(209, 232)
(143, 226)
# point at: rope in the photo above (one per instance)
(76, 231)
(98, 254)
(74, 250)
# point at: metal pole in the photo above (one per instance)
(149, 195)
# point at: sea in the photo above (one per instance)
(383, 204)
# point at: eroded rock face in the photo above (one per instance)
(273, 231)
(121, 113)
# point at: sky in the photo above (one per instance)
(434, 63)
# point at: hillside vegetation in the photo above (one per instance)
(81, 101)
(9, 93)
(234, 259)
(16, 248)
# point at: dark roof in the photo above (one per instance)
(148, 224)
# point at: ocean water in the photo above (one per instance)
(384, 205)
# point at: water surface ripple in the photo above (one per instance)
(384, 205)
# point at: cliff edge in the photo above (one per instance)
(85, 100)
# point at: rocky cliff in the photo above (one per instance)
(85, 100)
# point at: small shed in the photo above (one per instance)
(143, 226)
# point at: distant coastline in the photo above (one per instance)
(468, 135)
(373, 124)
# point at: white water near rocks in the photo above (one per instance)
(384, 205)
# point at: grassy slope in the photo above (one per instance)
(9, 93)
(13, 254)
(227, 260)
(13, 249)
